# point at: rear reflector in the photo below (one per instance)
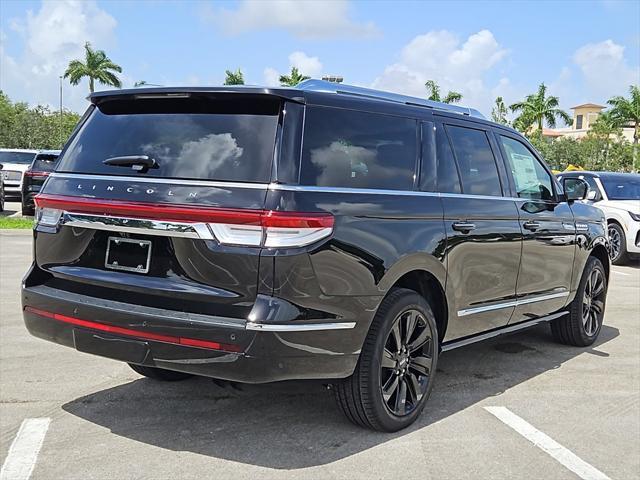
(33, 173)
(127, 332)
(266, 228)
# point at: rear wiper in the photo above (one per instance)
(140, 163)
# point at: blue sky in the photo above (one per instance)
(585, 51)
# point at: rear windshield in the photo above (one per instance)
(44, 162)
(22, 158)
(229, 139)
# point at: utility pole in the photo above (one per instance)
(60, 132)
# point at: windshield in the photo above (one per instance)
(22, 158)
(222, 138)
(621, 187)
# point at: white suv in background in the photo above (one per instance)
(15, 162)
(618, 196)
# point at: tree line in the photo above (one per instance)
(603, 148)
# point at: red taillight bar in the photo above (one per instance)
(188, 213)
(103, 327)
(35, 173)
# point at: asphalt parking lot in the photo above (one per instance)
(108, 422)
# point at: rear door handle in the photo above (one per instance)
(464, 227)
(533, 226)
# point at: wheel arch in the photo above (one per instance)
(600, 252)
(426, 284)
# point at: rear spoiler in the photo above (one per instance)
(291, 94)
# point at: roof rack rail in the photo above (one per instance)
(314, 85)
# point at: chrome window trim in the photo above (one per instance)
(165, 181)
(279, 187)
(305, 327)
(512, 303)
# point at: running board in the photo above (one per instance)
(499, 331)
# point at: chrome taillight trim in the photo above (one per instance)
(137, 225)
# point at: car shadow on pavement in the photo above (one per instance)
(297, 424)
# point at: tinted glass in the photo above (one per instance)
(344, 148)
(621, 187)
(476, 163)
(530, 177)
(448, 180)
(44, 162)
(205, 138)
(22, 158)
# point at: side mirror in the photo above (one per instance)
(592, 195)
(1, 166)
(575, 189)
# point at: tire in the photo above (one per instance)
(28, 211)
(2, 201)
(360, 396)
(618, 242)
(582, 325)
(160, 373)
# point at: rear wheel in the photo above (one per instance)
(617, 244)
(160, 373)
(584, 321)
(394, 375)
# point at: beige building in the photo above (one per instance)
(584, 117)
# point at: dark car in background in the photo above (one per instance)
(320, 232)
(43, 164)
(15, 162)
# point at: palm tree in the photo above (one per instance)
(434, 93)
(499, 112)
(96, 66)
(605, 125)
(293, 79)
(234, 78)
(536, 109)
(627, 111)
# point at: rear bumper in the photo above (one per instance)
(230, 349)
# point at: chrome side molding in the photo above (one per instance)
(512, 303)
(303, 327)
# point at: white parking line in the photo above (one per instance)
(24, 450)
(547, 444)
(621, 273)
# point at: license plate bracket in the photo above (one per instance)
(128, 254)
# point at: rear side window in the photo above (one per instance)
(223, 138)
(345, 148)
(477, 165)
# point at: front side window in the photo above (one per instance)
(531, 179)
(476, 162)
(346, 148)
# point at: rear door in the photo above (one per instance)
(548, 230)
(156, 201)
(483, 231)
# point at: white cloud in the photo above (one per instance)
(271, 77)
(454, 64)
(53, 36)
(309, 66)
(303, 19)
(605, 69)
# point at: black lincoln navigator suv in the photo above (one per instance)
(319, 232)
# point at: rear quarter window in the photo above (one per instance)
(228, 139)
(352, 149)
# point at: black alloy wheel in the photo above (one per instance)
(593, 302)
(406, 363)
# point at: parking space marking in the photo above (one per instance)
(547, 444)
(24, 450)
(621, 273)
